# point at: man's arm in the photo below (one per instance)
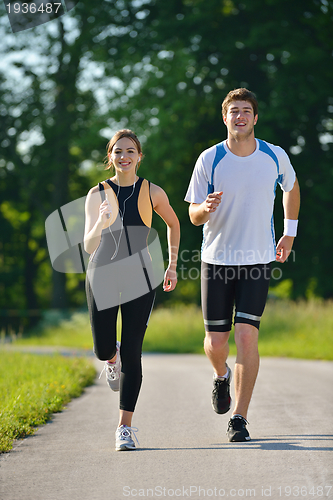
(291, 204)
(199, 213)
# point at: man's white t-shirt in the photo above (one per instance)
(241, 230)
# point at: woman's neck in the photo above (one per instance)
(124, 180)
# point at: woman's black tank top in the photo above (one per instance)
(127, 230)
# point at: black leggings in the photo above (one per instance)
(134, 316)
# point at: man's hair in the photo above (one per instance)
(240, 95)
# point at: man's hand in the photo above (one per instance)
(199, 213)
(283, 248)
(212, 201)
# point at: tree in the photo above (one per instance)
(281, 51)
(162, 69)
(54, 80)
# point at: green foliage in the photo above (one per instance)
(51, 123)
(162, 69)
(310, 292)
(286, 58)
(291, 329)
(299, 329)
(283, 290)
(33, 387)
(58, 329)
(178, 329)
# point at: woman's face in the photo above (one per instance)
(125, 156)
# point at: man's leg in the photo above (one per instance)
(251, 294)
(217, 296)
(246, 367)
(217, 349)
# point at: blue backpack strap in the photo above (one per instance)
(219, 154)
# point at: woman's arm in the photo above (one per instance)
(163, 208)
(96, 214)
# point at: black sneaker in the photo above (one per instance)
(221, 399)
(237, 431)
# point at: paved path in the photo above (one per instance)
(184, 452)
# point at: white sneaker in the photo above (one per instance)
(112, 371)
(124, 439)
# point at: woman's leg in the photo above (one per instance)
(103, 327)
(135, 316)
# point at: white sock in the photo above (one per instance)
(222, 376)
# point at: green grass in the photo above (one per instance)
(298, 330)
(74, 332)
(293, 329)
(32, 387)
(288, 329)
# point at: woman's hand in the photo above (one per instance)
(105, 210)
(170, 280)
(96, 213)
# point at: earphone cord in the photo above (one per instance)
(122, 215)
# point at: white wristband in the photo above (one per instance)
(290, 227)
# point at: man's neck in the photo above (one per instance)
(242, 147)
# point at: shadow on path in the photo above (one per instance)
(275, 443)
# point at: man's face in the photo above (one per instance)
(240, 119)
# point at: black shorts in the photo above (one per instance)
(222, 287)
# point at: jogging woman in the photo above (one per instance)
(120, 273)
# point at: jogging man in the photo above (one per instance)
(232, 193)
